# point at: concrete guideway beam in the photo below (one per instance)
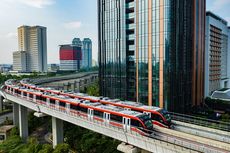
(1, 103)
(57, 131)
(16, 114)
(164, 144)
(23, 122)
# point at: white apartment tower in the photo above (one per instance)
(33, 40)
(217, 55)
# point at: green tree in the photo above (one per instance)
(226, 118)
(10, 144)
(46, 148)
(93, 90)
(33, 145)
(14, 131)
(62, 148)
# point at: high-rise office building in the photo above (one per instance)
(86, 53)
(33, 40)
(70, 57)
(217, 55)
(152, 51)
(77, 42)
(86, 47)
(20, 61)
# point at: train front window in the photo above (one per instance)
(166, 115)
(147, 121)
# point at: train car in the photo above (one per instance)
(111, 115)
(116, 116)
(159, 116)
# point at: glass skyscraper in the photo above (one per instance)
(152, 51)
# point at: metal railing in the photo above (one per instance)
(225, 126)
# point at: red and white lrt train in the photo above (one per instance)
(159, 116)
(108, 114)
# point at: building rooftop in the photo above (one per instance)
(6, 128)
(211, 14)
(223, 94)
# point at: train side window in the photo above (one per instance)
(74, 107)
(98, 113)
(155, 117)
(62, 104)
(31, 95)
(84, 109)
(116, 118)
(135, 123)
(52, 101)
(38, 97)
(44, 99)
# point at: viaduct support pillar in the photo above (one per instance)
(1, 103)
(16, 114)
(57, 131)
(23, 122)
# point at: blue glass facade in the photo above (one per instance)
(148, 52)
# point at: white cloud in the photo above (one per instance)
(38, 3)
(31, 3)
(73, 25)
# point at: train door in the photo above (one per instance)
(90, 114)
(28, 96)
(34, 98)
(57, 104)
(67, 107)
(126, 123)
(13, 91)
(148, 113)
(47, 101)
(106, 117)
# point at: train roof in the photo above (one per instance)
(68, 98)
(130, 103)
(119, 110)
(88, 103)
(132, 113)
(80, 94)
(151, 108)
(92, 97)
(111, 108)
(31, 90)
(139, 105)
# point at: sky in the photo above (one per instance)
(64, 19)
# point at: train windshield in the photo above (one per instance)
(166, 115)
(147, 121)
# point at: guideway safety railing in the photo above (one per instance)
(201, 121)
(180, 141)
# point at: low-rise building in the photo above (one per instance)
(70, 57)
